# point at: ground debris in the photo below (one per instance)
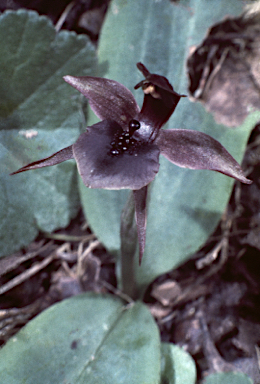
(54, 267)
(224, 70)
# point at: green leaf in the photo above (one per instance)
(185, 205)
(89, 338)
(178, 367)
(39, 115)
(228, 378)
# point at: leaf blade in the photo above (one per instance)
(185, 205)
(228, 378)
(177, 365)
(39, 115)
(88, 338)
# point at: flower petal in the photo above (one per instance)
(140, 197)
(58, 157)
(196, 150)
(107, 98)
(160, 99)
(100, 169)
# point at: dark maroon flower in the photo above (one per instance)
(122, 151)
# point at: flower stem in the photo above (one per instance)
(128, 236)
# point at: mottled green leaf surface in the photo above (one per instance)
(185, 205)
(177, 366)
(39, 115)
(86, 339)
(228, 378)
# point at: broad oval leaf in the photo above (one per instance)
(177, 366)
(185, 205)
(228, 378)
(39, 115)
(89, 338)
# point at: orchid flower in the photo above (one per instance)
(122, 150)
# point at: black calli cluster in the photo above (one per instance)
(124, 141)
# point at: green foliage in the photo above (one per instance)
(185, 205)
(177, 365)
(228, 378)
(96, 338)
(39, 114)
(86, 339)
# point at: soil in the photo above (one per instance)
(209, 305)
